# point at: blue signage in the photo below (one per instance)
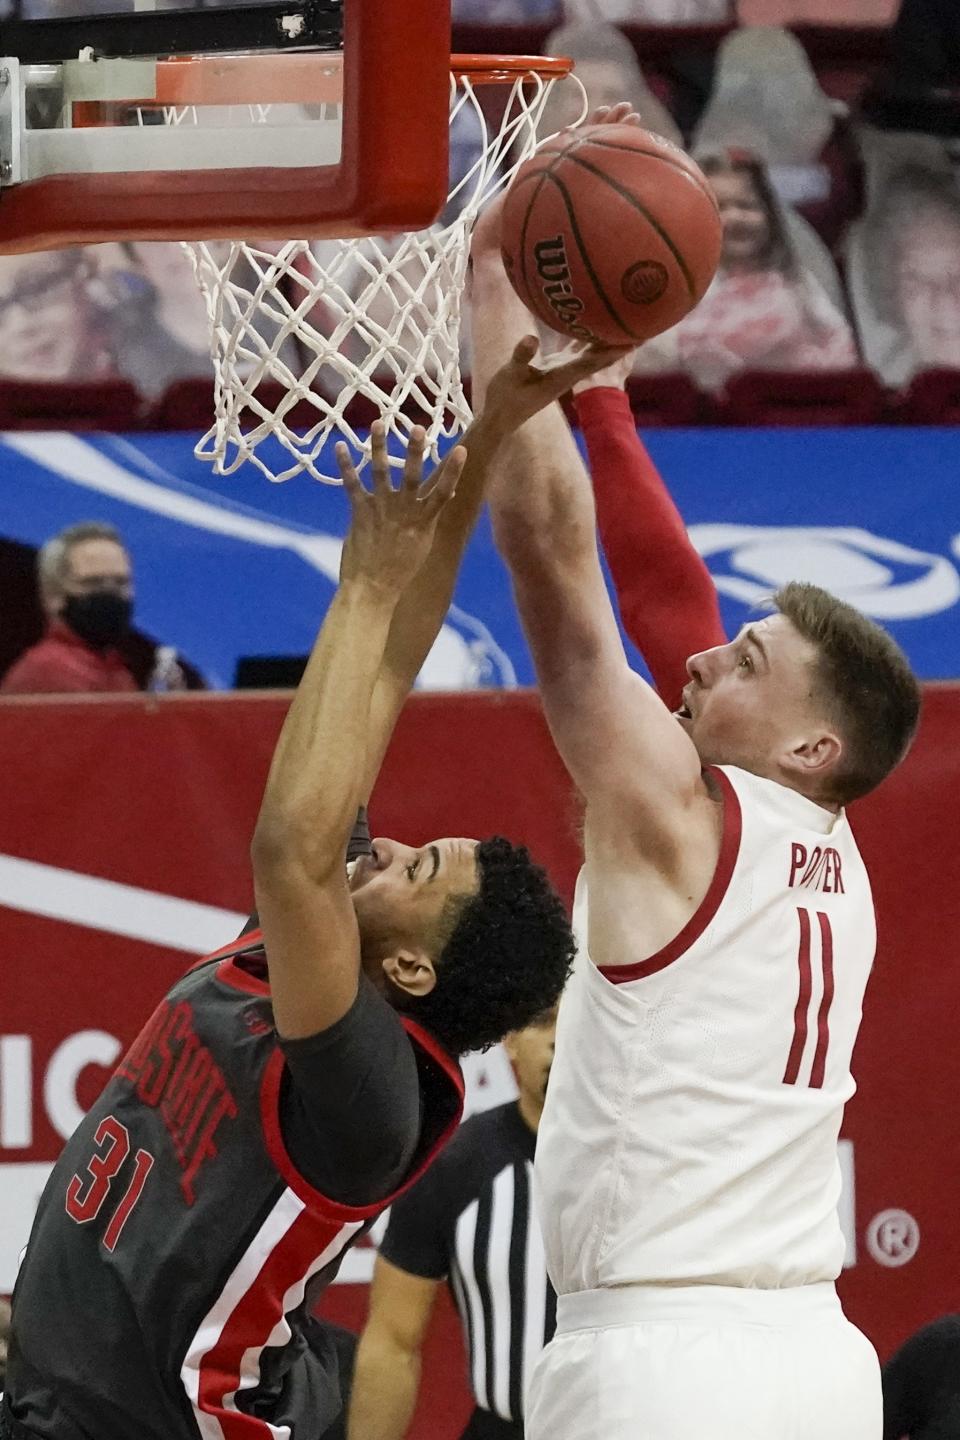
(237, 566)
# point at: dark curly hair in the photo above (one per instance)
(506, 958)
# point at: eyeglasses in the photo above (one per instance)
(40, 292)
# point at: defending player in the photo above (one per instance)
(687, 1156)
(287, 1088)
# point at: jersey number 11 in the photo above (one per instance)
(801, 1015)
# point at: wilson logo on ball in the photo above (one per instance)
(644, 282)
(554, 272)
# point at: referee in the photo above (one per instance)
(921, 1384)
(469, 1221)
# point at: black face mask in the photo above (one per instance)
(101, 618)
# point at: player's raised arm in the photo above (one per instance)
(517, 391)
(319, 767)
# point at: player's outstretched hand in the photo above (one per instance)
(621, 114)
(391, 530)
(520, 389)
(613, 377)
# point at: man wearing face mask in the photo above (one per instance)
(86, 587)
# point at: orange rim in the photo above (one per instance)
(504, 69)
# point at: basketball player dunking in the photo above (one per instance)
(687, 1160)
(291, 1085)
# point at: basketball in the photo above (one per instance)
(610, 234)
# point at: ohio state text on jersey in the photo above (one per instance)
(178, 1251)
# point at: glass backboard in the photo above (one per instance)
(172, 121)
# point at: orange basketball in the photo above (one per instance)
(610, 234)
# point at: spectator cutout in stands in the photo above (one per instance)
(126, 310)
(766, 309)
(606, 65)
(904, 273)
(650, 12)
(86, 587)
(767, 99)
(506, 12)
(50, 325)
(158, 320)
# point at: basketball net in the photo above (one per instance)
(300, 330)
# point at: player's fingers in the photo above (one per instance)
(618, 113)
(594, 358)
(600, 115)
(525, 349)
(443, 483)
(413, 465)
(379, 461)
(348, 472)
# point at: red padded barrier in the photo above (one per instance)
(160, 794)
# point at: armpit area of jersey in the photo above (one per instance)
(351, 1111)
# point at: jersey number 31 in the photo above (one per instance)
(87, 1194)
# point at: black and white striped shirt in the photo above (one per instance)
(471, 1220)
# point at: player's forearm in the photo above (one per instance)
(423, 605)
(668, 602)
(383, 1397)
(541, 507)
(539, 498)
(317, 775)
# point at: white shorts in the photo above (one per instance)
(705, 1363)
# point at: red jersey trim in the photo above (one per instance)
(239, 1330)
(252, 937)
(237, 978)
(804, 991)
(317, 1202)
(823, 1019)
(709, 905)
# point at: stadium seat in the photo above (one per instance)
(931, 398)
(789, 397)
(669, 399)
(189, 405)
(817, 12)
(184, 405)
(69, 405)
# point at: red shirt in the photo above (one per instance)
(61, 663)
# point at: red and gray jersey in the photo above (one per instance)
(179, 1251)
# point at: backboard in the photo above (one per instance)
(283, 120)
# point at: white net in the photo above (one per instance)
(301, 330)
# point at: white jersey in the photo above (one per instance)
(694, 1106)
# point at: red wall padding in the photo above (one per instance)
(162, 794)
